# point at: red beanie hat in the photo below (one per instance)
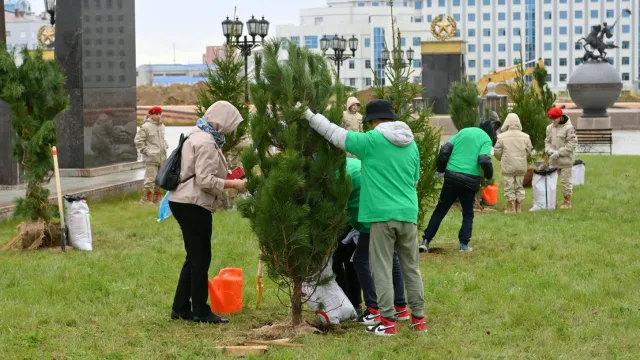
(155, 110)
(554, 113)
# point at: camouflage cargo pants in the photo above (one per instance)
(513, 188)
(565, 180)
(151, 170)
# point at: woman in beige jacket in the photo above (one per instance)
(512, 148)
(203, 174)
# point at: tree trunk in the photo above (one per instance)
(296, 303)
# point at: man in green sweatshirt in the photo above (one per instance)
(388, 200)
(352, 267)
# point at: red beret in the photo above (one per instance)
(554, 113)
(155, 110)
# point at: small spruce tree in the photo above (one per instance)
(226, 81)
(547, 97)
(401, 94)
(463, 104)
(35, 93)
(298, 194)
(530, 103)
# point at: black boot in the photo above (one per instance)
(183, 316)
(211, 319)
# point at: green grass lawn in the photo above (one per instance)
(562, 284)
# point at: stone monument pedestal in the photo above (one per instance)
(595, 86)
(443, 62)
(492, 100)
(10, 173)
(593, 123)
(95, 47)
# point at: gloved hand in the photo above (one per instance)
(438, 175)
(555, 155)
(308, 114)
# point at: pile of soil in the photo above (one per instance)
(282, 330)
(176, 94)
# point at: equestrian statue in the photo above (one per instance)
(595, 41)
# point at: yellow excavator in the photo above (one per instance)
(499, 77)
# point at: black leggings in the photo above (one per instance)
(196, 224)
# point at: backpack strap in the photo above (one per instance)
(187, 179)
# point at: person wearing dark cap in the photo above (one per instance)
(151, 143)
(388, 201)
(560, 144)
(462, 161)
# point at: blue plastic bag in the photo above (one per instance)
(164, 211)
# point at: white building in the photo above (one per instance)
(494, 30)
(22, 25)
(168, 74)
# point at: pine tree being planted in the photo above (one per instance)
(35, 93)
(226, 81)
(299, 193)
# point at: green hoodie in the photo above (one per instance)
(354, 167)
(390, 172)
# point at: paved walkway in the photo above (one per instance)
(74, 185)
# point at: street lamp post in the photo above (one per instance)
(398, 55)
(232, 30)
(339, 46)
(3, 30)
(50, 7)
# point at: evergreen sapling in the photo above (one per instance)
(35, 93)
(298, 194)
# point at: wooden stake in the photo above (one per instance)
(11, 243)
(54, 152)
(273, 343)
(243, 350)
(259, 284)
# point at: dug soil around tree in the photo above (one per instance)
(282, 330)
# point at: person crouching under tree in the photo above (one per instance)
(151, 143)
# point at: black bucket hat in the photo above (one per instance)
(379, 109)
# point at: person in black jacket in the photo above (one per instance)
(462, 161)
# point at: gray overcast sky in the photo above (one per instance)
(193, 24)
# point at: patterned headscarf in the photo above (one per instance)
(218, 137)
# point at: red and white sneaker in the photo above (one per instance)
(402, 313)
(385, 327)
(369, 316)
(418, 325)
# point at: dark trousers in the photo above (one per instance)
(196, 224)
(363, 269)
(345, 272)
(450, 192)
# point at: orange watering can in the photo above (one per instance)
(490, 194)
(225, 291)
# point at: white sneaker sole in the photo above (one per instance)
(378, 333)
(369, 322)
